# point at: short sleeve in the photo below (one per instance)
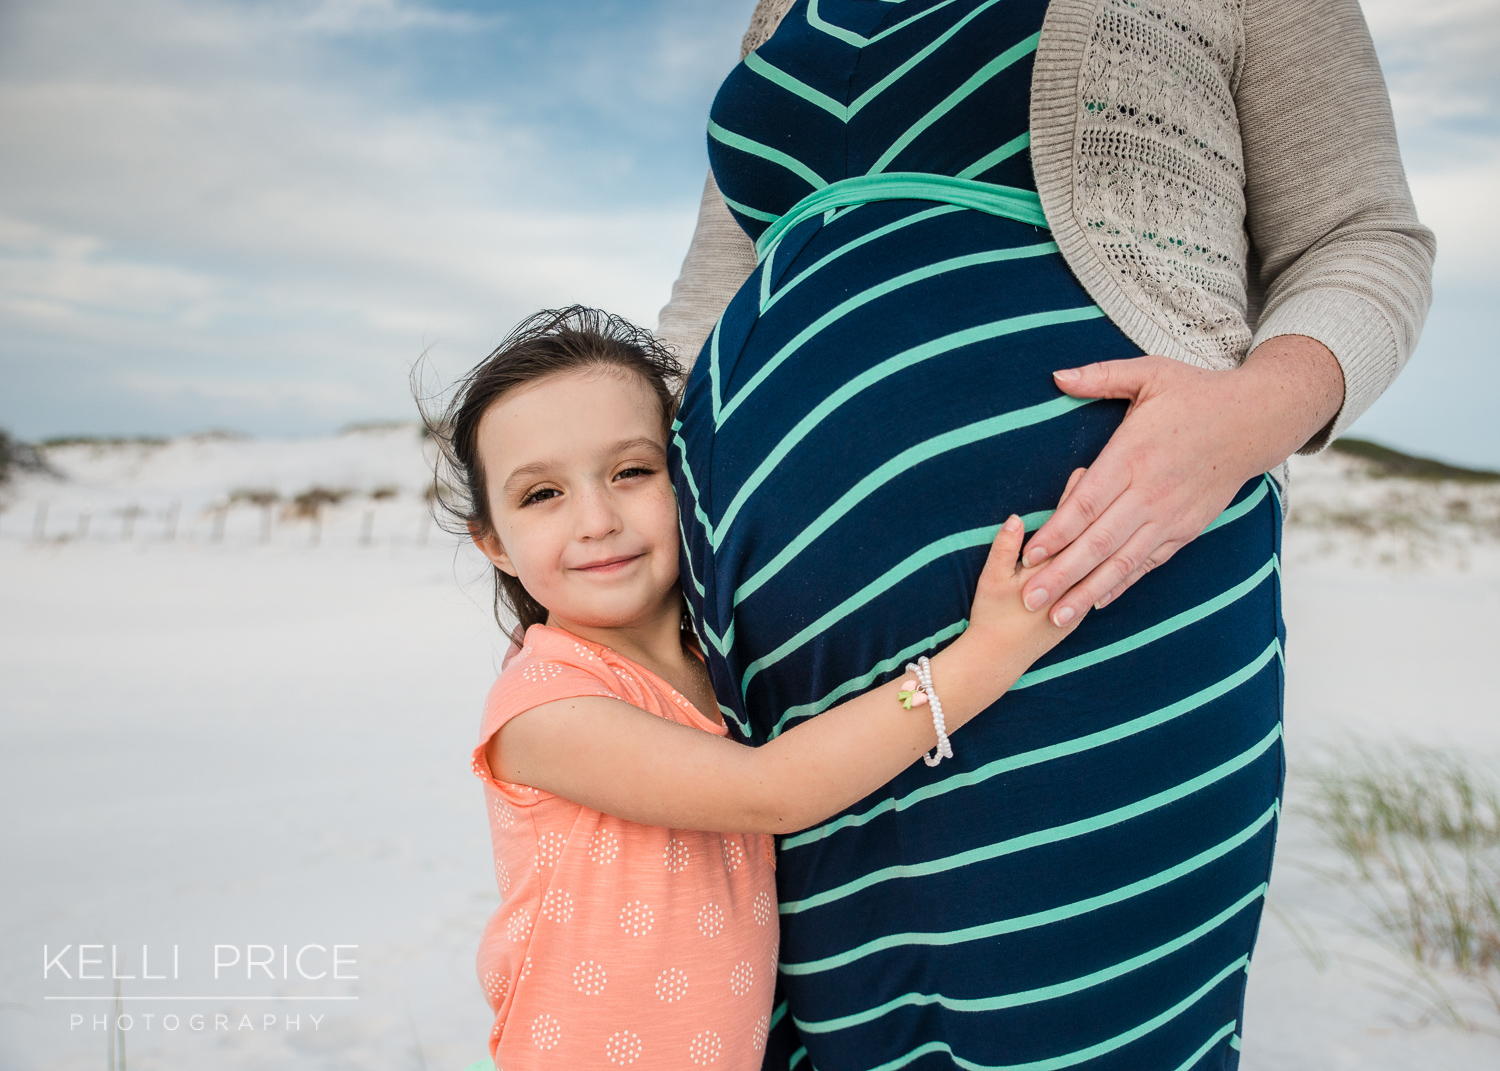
(545, 670)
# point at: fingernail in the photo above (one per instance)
(1012, 523)
(1033, 555)
(1063, 616)
(1104, 600)
(1067, 375)
(1037, 599)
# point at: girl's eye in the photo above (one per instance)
(634, 473)
(540, 495)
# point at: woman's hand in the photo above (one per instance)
(1189, 441)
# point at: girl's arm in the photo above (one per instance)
(621, 760)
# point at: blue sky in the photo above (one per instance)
(255, 214)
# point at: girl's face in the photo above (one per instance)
(581, 507)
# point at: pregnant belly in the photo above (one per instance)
(876, 400)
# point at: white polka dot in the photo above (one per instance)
(505, 814)
(765, 908)
(710, 920)
(518, 928)
(502, 876)
(542, 671)
(762, 1029)
(705, 1048)
(525, 969)
(671, 985)
(734, 855)
(589, 978)
(623, 1047)
(675, 855)
(549, 848)
(546, 1031)
(557, 906)
(584, 653)
(496, 985)
(636, 918)
(604, 847)
(741, 978)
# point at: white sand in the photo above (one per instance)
(223, 742)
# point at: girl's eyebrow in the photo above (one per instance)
(624, 446)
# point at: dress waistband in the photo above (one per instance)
(1008, 201)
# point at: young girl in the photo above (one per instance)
(632, 837)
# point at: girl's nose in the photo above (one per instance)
(597, 516)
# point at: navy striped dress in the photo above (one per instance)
(1080, 886)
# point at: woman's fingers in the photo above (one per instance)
(1073, 479)
(1083, 502)
(1080, 560)
(1117, 571)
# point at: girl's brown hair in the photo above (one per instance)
(550, 343)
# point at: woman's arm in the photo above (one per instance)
(616, 758)
(719, 260)
(1341, 271)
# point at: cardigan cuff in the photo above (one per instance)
(1357, 333)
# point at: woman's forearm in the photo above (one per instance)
(1296, 383)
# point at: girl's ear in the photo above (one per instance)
(490, 546)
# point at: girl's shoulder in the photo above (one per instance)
(551, 665)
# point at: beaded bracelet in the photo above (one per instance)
(920, 692)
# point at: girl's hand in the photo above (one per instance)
(999, 618)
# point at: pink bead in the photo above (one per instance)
(919, 700)
(908, 686)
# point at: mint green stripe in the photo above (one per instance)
(687, 472)
(765, 152)
(1003, 153)
(1024, 47)
(1234, 1042)
(989, 931)
(1149, 635)
(817, 21)
(716, 389)
(879, 232)
(730, 715)
(796, 1058)
(863, 680)
(939, 548)
(692, 576)
(746, 210)
(1036, 756)
(1036, 838)
(797, 87)
(777, 1015)
(1239, 509)
(1036, 996)
(1008, 202)
(766, 267)
(907, 459)
(864, 297)
(1072, 1059)
(1192, 1061)
(885, 369)
(858, 104)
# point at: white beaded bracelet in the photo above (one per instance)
(920, 692)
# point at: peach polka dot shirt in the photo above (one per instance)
(618, 944)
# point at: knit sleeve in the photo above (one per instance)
(1337, 252)
(720, 258)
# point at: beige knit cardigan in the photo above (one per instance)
(1215, 173)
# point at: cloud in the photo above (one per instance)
(261, 200)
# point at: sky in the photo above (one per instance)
(255, 215)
